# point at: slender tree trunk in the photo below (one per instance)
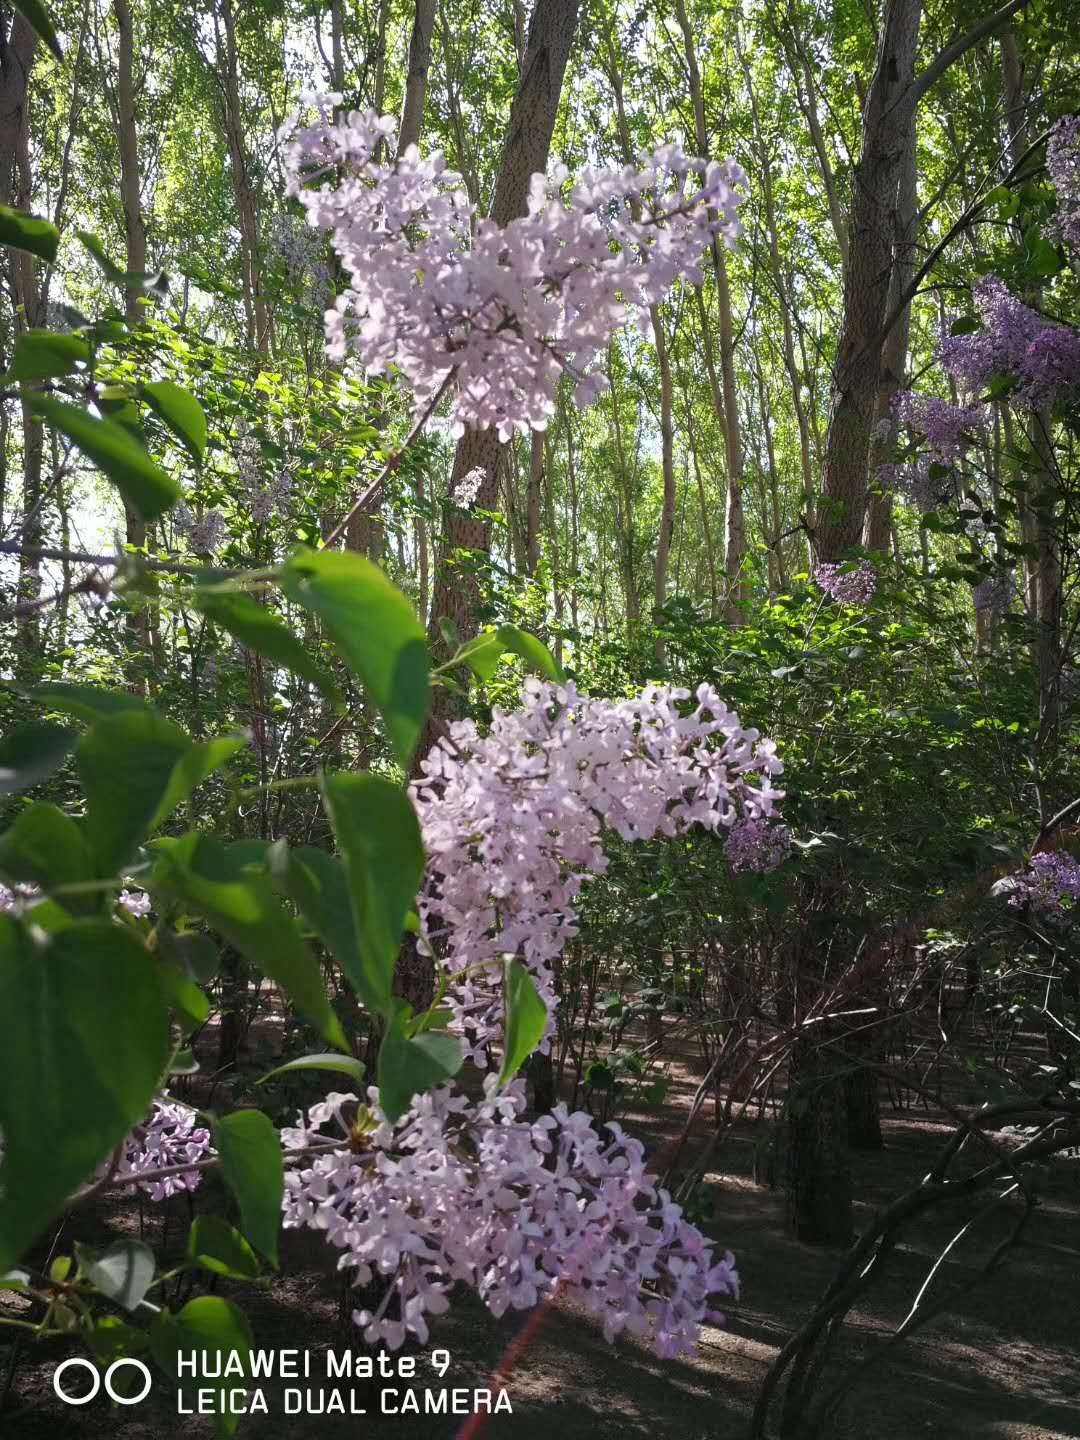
(532, 501)
(135, 235)
(734, 522)
(889, 111)
(412, 110)
(258, 319)
(895, 348)
(18, 48)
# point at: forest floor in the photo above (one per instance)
(1002, 1362)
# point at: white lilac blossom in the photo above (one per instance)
(170, 1135)
(473, 1192)
(135, 902)
(758, 847)
(467, 489)
(261, 494)
(505, 312)
(846, 584)
(915, 483)
(203, 533)
(514, 821)
(1050, 885)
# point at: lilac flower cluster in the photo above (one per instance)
(948, 428)
(505, 312)
(467, 489)
(170, 1135)
(471, 1191)
(755, 846)
(1063, 164)
(203, 533)
(261, 496)
(514, 821)
(845, 584)
(993, 595)
(135, 902)
(915, 483)
(1049, 885)
(1039, 355)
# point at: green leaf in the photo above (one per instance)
(526, 1019)
(206, 1326)
(123, 279)
(46, 847)
(193, 954)
(376, 631)
(38, 17)
(251, 1164)
(140, 480)
(123, 1272)
(482, 654)
(86, 1040)
(538, 658)
(184, 995)
(31, 753)
(966, 325)
(126, 763)
(180, 411)
(20, 231)
(408, 1067)
(339, 1064)
(217, 1247)
(316, 884)
(378, 835)
(194, 766)
(259, 628)
(84, 702)
(40, 354)
(239, 902)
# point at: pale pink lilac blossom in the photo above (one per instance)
(170, 1135)
(754, 846)
(473, 1192)
(514, 821)
(504, 312)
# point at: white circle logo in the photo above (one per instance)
(77, 1362)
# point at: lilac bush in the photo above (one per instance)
(1040, 356)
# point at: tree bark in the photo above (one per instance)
(412, 109)
(889, 111)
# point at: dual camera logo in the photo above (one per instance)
(76, 1362)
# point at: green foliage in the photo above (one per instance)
(78, 1069)
(251, 1163)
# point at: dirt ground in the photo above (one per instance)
(1003, 1363)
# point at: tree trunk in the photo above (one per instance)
(734, 523)
(412, 110)
(895, 347)
(532, 502)
(135, 235)
(889, 111)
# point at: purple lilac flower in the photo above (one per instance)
(1063, 163)
(845, 585)
(757, 846)
(170, 1135)
(948, 428)
(1039, 355)
(1049, 885)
